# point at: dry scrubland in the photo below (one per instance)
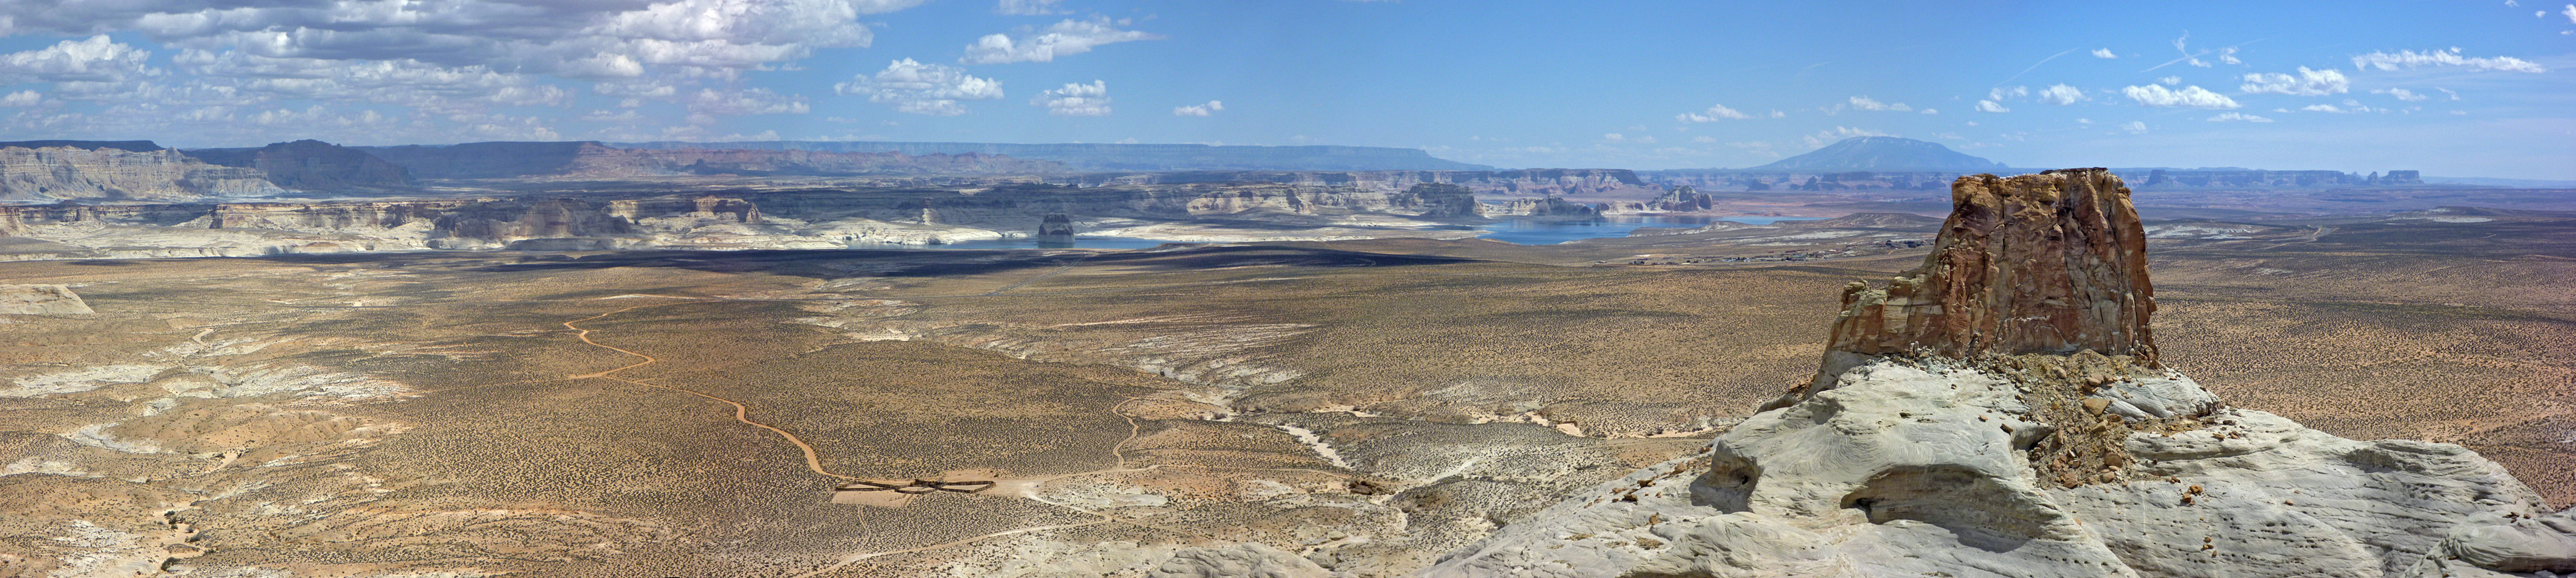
(1362, 405)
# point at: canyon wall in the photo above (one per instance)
(117, 171)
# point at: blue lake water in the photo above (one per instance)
(1524, 232)
(1538, 232)
(1079, 242)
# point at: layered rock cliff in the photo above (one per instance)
(1999, 412)
(116, 171)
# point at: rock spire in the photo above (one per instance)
(2049, 263)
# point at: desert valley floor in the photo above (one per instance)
(1368, 405)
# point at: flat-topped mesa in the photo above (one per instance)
(2049, 263)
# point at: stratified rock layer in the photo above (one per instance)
(2049, 263)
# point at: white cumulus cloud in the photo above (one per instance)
(2452, 57)
(2062, 95)
(2104, 53)
(1077, 99)
(96, 59)
(22, 98)
(917, 88)
(2306, 83)
(2188, 97)
(1199, 109)
(1991, 106)
(1065, 38)
(1714, 113)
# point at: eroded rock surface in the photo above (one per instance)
(40, 300)
(1998, 412)
(2048, 263)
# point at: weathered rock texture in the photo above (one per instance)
(61, 170)
(2004, 457)
(40, 300)
(2049, 263)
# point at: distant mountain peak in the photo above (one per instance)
(1884, 153)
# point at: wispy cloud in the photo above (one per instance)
(2135, 127)
(2402, 94)
(1867, 103)
(1065, 38)
(2452, 57)
(1714, 113)
(2188, 97)
(2237, 117)
(1208, 109)
(1991, 106)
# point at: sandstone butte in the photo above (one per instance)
(2000, 412)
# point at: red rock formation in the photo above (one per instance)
(2049, 263)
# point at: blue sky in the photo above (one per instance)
(2453, 88)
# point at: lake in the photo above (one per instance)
(1518, 231)
(1541, 232)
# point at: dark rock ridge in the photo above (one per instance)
(311, 165)
(1883, 153)
(2049, 263)
(1135, 157)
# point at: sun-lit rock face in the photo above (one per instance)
(2049, 263)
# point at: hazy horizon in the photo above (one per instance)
(2456, 89)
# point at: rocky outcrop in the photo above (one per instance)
(1683, 198)
(41, 300)
(1539, 207)
(1055, 228)
(2049, 263)
(311, 165)
(1963, 456)
(81, 170)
